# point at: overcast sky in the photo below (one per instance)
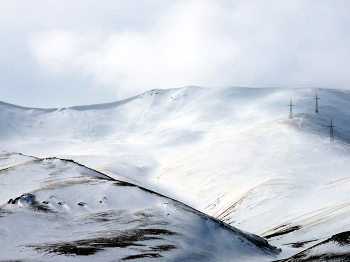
(57, 53)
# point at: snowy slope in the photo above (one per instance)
(232, 153)
(281, 189)
(283, 179)
(335, 249)
(142, 134)
(71, 213)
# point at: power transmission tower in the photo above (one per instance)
(291, 111)
(331, 131)
(316, 108)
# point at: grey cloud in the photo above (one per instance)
(109, 50)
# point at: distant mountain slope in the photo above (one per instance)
(158, 127)
(291, 182)
(285, 173)
(58, 210)
(233, 153)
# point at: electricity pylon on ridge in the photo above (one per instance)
(316, 108)
(331, 131)
(291, 111)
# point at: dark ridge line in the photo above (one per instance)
(299, 244)
(16, 153)
(264, 245)
(81, 165)
(124, 183)
(283, 232)
(12, 261)
(145, 255)
(342, 239)
(331, 257)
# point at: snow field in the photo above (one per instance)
(72, 210)
(230, 152)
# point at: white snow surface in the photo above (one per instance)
(231, 153)
(73, 213)
(335, 249)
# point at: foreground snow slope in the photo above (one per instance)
(276, 181)
(230, 152)
(283, 179)
(71, 213)
(335, 249)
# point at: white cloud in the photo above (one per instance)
(185, 46)
(134, 46)
(56, 50)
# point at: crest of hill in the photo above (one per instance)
(108, 219)
(232, 150)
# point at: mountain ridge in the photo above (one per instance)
(232, 153)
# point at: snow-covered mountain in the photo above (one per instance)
(72, 213)
(232, 153)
